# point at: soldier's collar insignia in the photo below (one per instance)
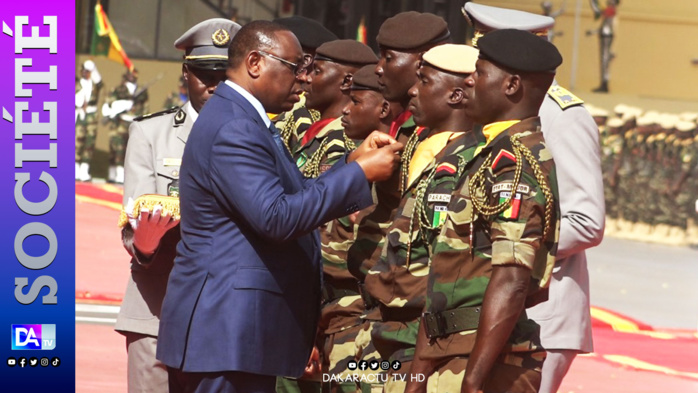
(220, 37)
(504, 158)
(180, 116)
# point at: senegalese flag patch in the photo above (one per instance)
(439, 216)
(512, 212)
(504, 158)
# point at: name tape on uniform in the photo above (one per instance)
(521, 188)
(446, 198)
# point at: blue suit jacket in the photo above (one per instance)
(244, 293)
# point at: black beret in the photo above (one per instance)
(519, 50)
(346, 51)
(412, 30)
(310, 33)
(365, 79)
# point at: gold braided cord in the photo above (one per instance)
(312, 166)
(405, 159)
(286, 132)
(349, 145)
(543, 182)
(477, 183)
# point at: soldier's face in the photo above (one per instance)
(201, 83)
(431, 96)
(363, 114)
(484, 93)
(322, 87)
(396, 73)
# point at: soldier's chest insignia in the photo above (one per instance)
(503, 159)
(302, 159)
(507, 186)
(512, 212)
(440, 212)
(445, 168)
(444, 198)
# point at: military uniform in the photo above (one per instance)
(153, 159)
(128, 94)
(86, 98)
(293, 124)
(152, 166)
(473, 239)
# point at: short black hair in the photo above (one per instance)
(256, 35)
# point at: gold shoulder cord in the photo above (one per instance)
(405, 159)
(419, 210)
(312, 167)
(285, 133)
(477, 183)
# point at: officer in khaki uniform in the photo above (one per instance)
(153, 158)
(573, 139)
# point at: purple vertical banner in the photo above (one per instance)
(37, 202)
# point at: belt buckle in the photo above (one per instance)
(434, 324)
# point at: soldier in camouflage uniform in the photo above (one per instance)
(687, 159)
(403, 39)
(124, 103)
(333, 67)
(340, 317)
(398, 280)
(625, 173)
(293, 124)
(495, 252)
(611, 148)
(86, 96)
(323, 144)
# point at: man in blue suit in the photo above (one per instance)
(243, 298)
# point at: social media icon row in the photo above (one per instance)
(374, 365)
(33, 362)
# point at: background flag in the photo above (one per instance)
(105, 42)
(361, 31)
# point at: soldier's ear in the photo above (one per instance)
(512, 84)
(185, 72)
(385, 110)
(456, 96)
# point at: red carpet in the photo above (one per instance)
(626, 349)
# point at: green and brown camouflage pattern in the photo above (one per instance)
(293, 124)
(518, 373)
(323, 151)
(118, 130)
(399, 279)
(470, 243)
(373, 223)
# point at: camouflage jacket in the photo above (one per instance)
(373, 222)
(475, 236)
(398, 280)
(320, 153)
(293, 124)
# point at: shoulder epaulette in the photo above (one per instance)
(563, 97)
(156, 114)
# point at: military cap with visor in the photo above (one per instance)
(485, 18)
(519, 50)
(346, 52)
(206, 44)
(413, 30)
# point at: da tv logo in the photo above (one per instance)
(34, 337)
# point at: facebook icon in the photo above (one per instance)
(33, 337)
